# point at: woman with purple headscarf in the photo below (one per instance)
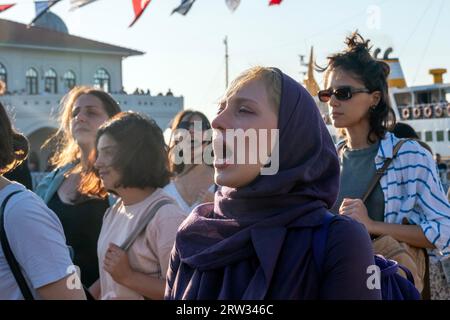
(256, 240)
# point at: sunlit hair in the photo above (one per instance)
(141, 156)
(359, 63)
(185, 115)
(67, 149)
(270, 77)
(13, 145)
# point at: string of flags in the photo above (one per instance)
(139, 6)
(184, 7)
(41, 8)
(75, 4)
(4, 7)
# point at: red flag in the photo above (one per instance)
(4, 7)
(273, 2)
(139, 7)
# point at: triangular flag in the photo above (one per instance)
(4, 7)
(139, 7)
(184, 7)
(273, 2)
(232, 4)
(41, 8)
(75, 4)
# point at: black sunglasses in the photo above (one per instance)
(341, 93)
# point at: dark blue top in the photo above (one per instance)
(295, 275)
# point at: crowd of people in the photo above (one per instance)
(125, 216)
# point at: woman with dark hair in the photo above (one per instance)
(357, 95)
(193, 178)
(258, 239)
(33, 232)
(135, 169)
(83, 110)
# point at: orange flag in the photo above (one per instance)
(139, 7)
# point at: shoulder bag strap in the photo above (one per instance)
(380, 172)
(13, 264)
(143, 224)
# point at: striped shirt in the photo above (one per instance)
(412, 190)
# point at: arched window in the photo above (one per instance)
(32, 81)
(51, 82)
(70, 80)
(102, 80)
(3, 74)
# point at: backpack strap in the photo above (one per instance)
(143, 224)
(12, 262)
(320, 237)
(380, 172)
(408, 273)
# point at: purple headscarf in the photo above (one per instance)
(306, 185)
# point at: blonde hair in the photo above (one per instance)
(269, 76)
(67, 149)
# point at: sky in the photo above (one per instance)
(186, 53)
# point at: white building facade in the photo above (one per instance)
(38, 65)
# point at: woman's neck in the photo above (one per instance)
(191, 184)
(85, 152)
(357, 135)
(132, 196)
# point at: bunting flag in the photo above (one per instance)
(273, 2)
(4, 7)
(75, 4)
(41, 8)
(139, 7)
(232, 4)
(184, 7)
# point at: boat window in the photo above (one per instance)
(419, 134)
(402, 99)
(440, 135)
(428, 136)
(423, 97)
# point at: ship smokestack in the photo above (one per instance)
(438, 75)
(396, 77)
